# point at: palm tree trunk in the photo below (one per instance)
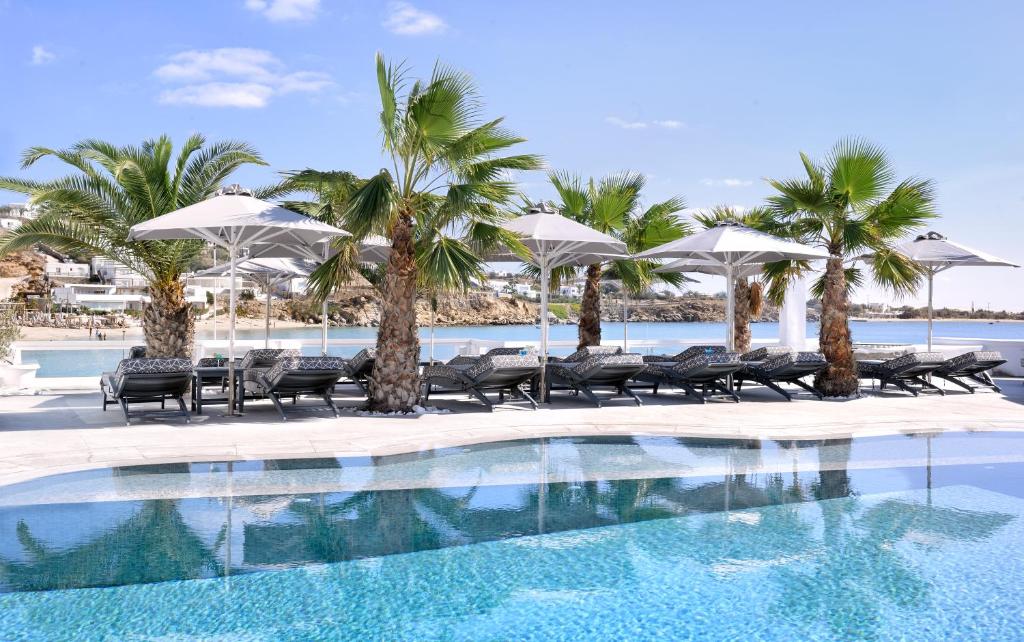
(590, 309)
(840, 378)
(394, 385)
(167, 321)
(741, 316)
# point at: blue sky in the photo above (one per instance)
(707, 99)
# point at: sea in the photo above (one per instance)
(81, 363)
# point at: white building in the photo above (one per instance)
(496, 286)
(526, 290)
(58, 270)
(572, 291)
(98, 297)
(13, 215)
(116, 273)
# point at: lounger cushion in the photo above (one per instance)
(765, 352)
(265, 357)
(463, 359)
(893, 366)
(688, 353)
(781, 362)
(283, 366)
(479, 370)
(361, 360)
(698, 362)
(212, 362)
(583, 369)
(960, 362)
(587, 352)
(146, 366)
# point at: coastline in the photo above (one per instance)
(206, 325)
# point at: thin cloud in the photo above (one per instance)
(233, 77)
(285, 10)
(642, 124)
(726, 182)
(625, 124)
(41, 55)
(406, 20)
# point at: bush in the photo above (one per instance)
(247, 295)
(10, 332)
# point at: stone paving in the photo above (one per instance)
(64, 432)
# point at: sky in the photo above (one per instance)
(707, 99)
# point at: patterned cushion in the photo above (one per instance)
(779, 362)
(444, 373)
(362, 359)
(137, 352)
(488, 363)
(463, 359)
(154, 365)
(967, 359)
(586, 368)
(265, 357)
(586, 352)
(212, 362)
(701, 360)
(766, 352)
(254, 374)
(900, 363)
(292, 364)
(692, 351)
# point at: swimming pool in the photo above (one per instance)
(901, 537)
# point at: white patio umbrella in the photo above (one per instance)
(267, 272)
(372, 249)
(937, 254)
(233, 219)
(553, 241)
(735, 249)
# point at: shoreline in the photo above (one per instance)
(133, 332)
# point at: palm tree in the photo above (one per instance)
(849, 205)
(612, 206)
(113, 188)
(446, 177)
(748, 295)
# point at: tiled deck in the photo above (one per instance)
(55, 433)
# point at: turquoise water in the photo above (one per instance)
(774, 549)
(87, 363)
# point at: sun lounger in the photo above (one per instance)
(774, 366)
(904, 371)
(465, 359)
(293, 376)
(256, 363)
(692, 351)
(359, 368)
(594, 367)
(971, 366)
(707, 371)
(147, 381)
(501, 372)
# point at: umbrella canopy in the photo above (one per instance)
(936, 254)
(554, 240)
(268, 273)
(233, 219)
(732, 248)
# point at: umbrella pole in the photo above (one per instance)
(931, 278)
(730, 309)
(625, 320)
(232, 252)
(215, 295)
(323, 318)
(544, 278)
(431, 330)
(266, 337)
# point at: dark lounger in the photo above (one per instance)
(971, 366)
(295, 376)
(772, 367)
(148, 380)
(359, 367)
(904, 371)
(595, 367)
(501, 372)
(707, 371)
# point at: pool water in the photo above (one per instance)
(895, 538)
